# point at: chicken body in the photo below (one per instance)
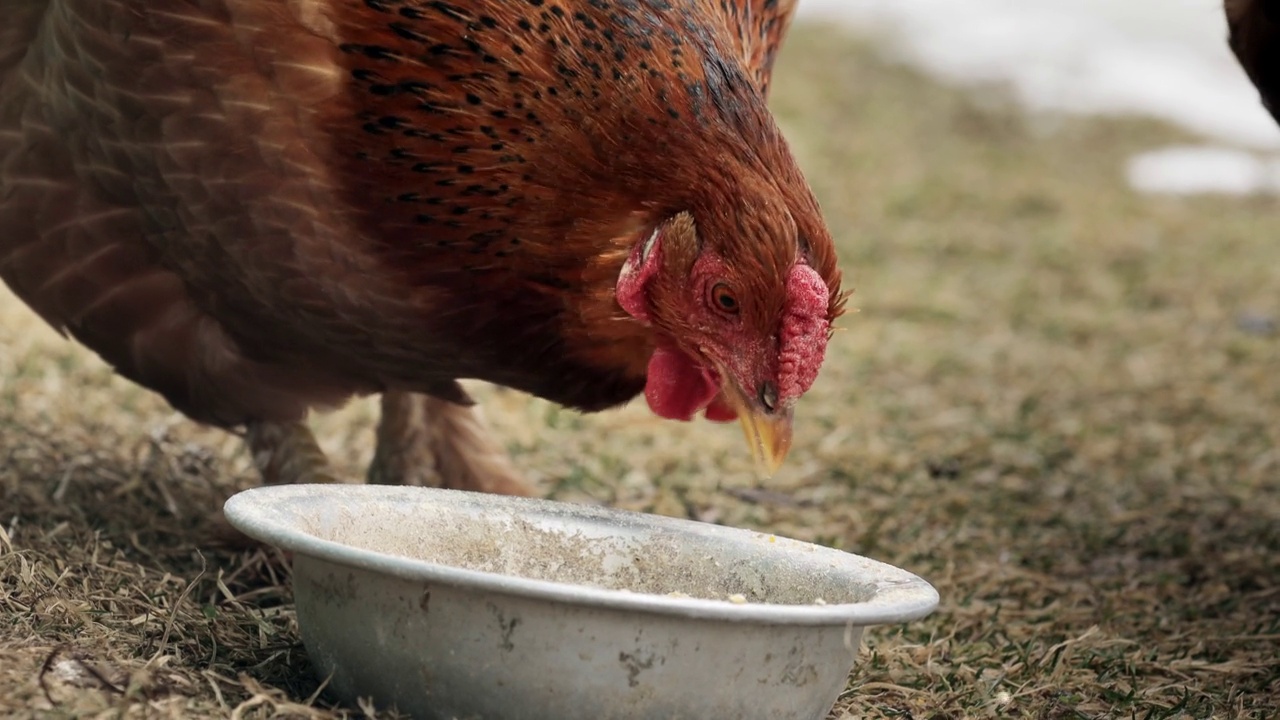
(262, 208)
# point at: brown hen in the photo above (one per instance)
(261, 208)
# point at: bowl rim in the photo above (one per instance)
(262, 514)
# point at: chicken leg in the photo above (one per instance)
(287, 453)
(284, 453)
(423, 440)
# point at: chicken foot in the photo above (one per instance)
(284, 453)
(424, 440)
(287, 453)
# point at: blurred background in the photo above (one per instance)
(1058, 401)
(1167, 59)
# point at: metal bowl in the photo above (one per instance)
(456, 605)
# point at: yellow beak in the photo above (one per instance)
(769, 438)
(768, 434)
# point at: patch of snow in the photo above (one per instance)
(1166, 59)
(1188, 170)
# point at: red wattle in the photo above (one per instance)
(677, 388)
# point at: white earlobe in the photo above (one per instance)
(647, 247)
(632, 291)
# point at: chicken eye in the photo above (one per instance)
(722, 298)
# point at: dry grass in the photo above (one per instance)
(1047, 406)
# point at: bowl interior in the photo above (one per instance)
(580, 553)
(587, 547)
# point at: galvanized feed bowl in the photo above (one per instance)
(450, 604)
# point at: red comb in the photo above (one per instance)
(804, 332)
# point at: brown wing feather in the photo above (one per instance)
(134, 174)
(1255, 39)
